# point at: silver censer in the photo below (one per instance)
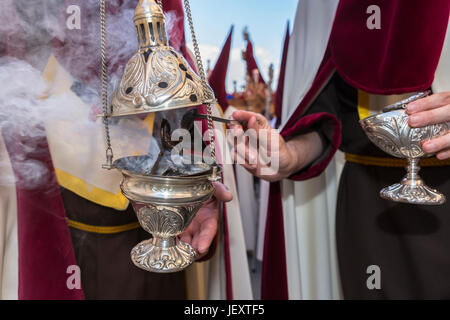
(164, 206)
(158, 78)
(391, 133)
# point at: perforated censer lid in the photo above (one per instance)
(156, 78)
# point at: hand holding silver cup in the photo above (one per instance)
(390, 131)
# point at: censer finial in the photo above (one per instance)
(156, 78)
(150, 24)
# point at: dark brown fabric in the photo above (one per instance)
(104, 259)
(410, 243)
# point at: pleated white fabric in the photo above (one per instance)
(441, 81)
(309, 39)
(309, 206)
(247, 199)
(248, 206)
(240, 275)
(309, 221)
(9, 261)
(264, 191)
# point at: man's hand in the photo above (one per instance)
(434, 109)
(203, 227)
(257, 157)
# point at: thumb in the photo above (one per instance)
(221, 192)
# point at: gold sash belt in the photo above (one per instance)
(393, 162)
(101, 229)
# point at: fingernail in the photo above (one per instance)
(414, 119)
(411, 107)
(443, 155)
(429, 146)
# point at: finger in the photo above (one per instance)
(431, 102)
(252, 156)
(258, 123)
(437, 144)
(247, 156)
(202, 240)
(236, 128)
(252, 169)
(199, 256)
(247, 147)
(221, 192)
(241, 144)
(254, 120)
(433, 116)
(443, 155)
(186, 237)
(243, 116)
(235, 136)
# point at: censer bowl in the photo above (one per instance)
(165, 206)
(391, 133)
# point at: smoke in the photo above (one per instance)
(33, 111)
(22, 111)
(174, 27)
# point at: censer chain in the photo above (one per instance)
(201, 72)
(104, 77)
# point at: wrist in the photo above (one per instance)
(302, 151)
(295, 162)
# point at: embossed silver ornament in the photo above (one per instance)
(165, 206)
(156, 78)
(391, 133)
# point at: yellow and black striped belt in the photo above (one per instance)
(393, 162)
(102, 229)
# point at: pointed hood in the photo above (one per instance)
(219, 72)
(250, 58)
(278, 99)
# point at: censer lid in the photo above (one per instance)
(156, 78)
(402, 104)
